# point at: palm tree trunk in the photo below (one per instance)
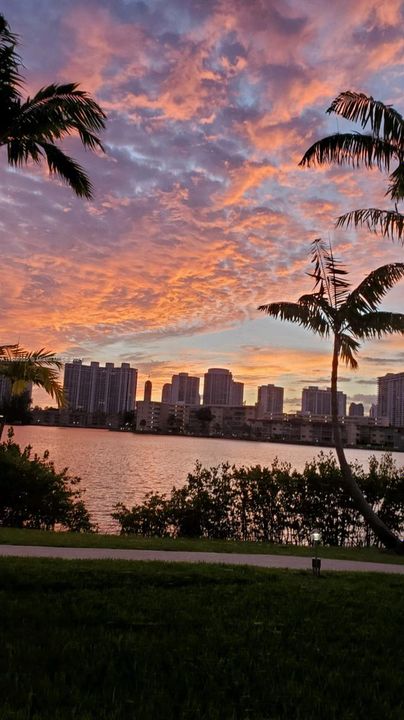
(382, 532)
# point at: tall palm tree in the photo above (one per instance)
(39, 368)
(348, 316)
(383, 147)
(31, 128)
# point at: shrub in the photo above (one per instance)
(275, 504)
(34, 495)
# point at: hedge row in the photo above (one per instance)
(274, 504)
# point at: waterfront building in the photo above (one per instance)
(147, 391)
(227, 420)
(220, 388)
(185, 389)
(149, 416)
(356, 410)
(216, 389)
(96, 389)
(166, 393)
(236, 393)
(390, 402)
(161, 417)
(318, 402)
(269, 400)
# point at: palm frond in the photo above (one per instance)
(328, 274)
(368, 294)
(383, 119)
(390, 223)
(396, 187)
(20, 150)
(40, 368)
(299, 314)
(348, 348)
(352, 149)
(9, 352)
(10, 76)
(376, 324)
(66, 106)
(68, 170)
(317, 303)
(44, 358)
(60, 164)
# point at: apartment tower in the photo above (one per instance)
(270, 400)
(93, 388)
(318, 402)
(390, 403)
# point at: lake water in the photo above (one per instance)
(122, 467)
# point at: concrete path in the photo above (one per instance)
(290, 562)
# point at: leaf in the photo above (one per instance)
(389, 223)
(383, 119)
(350, 149)
(368, 294)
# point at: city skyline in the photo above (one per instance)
(186, 389)
(201, 212)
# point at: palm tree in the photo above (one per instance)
(39, 368)
(31, 128)
(348, 316)
(381, 148)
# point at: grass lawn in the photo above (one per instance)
(115, 641)
(11, 536)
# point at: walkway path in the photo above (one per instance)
(267, 561)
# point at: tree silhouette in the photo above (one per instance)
(348, 316)
(39, 368)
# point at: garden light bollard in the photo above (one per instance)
(316, 561)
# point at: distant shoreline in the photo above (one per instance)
(275, 441)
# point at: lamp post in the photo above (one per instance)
(316, 561)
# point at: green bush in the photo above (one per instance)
(275, 504)
(34, 495)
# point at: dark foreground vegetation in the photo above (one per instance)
(33, 494)
(275, 504)
(111, 641)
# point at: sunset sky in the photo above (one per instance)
(201, 212)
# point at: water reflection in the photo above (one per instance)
(122, 467)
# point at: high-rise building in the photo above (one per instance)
(373, 412)
(236, 393)
(356, 410)
(220, 388)
(147, 391)
(270, 400)
(217, 385)
(166, 393)
(390, 402)
(318, 402)
(185, 389)
(192, 396)
(92, 389)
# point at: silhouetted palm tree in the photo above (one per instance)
(381, 148)
(348, 316)
(39, 368)
(31, 128)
